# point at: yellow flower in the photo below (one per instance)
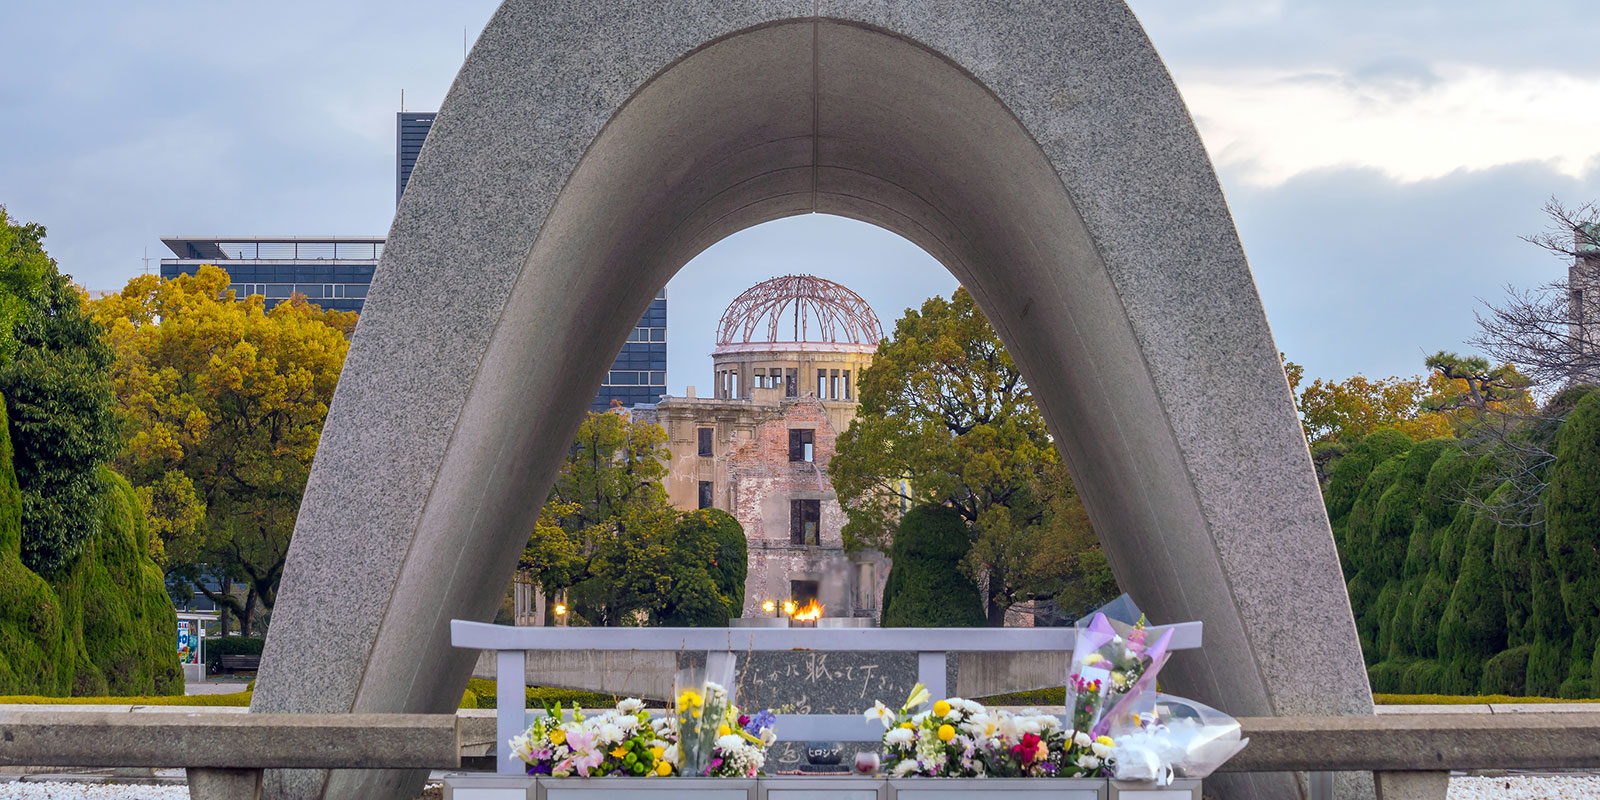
(946, 733)
(1106, 740)
(558, 736)
(690, 699)
(941, 708)
(619, 752)
(657, 752)
(908, 726)
(663, 768)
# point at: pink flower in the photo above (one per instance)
(584, 755)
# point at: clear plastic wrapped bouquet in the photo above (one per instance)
(1178, 738)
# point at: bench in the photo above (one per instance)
(238, 663)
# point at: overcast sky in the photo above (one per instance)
(1381, 157)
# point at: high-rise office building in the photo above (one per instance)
(639, 374)
(331, 271)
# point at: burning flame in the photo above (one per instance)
(810, 612)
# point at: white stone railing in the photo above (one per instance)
(930, 644)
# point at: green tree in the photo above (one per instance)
(58, 395)
(705, 565)
(925, 587)
(602, 532)
(222, 403)
(23, 267)
(947, 419)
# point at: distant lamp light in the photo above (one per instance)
(769, 607)
(561, 609)
(788, 607)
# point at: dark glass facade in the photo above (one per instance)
(332, 271)
(411, 130)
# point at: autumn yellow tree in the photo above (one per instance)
(221, 404)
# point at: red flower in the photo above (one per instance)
(1026, 751)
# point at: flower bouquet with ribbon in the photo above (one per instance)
(701, 701)
(1176, 738)
(1113, 672)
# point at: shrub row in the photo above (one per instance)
(1449, 600)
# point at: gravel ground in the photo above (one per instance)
(1517, 787)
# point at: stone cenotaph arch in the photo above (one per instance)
(587, 150)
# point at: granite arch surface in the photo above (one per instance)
(587, 150)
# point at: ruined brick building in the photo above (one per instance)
(788, 353)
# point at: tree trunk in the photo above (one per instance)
(996, 614)
(249, 609)
(223, 617)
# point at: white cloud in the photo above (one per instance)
(1265, 127)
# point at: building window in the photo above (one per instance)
(705, 493)
(833, 385)
(802, 592)
(759, 379)
(822, 384)
(791, 383)
(847, 384)
(802, 444)
(705, 441)
(804, 521)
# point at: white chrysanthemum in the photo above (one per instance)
(670, 755)
(920, 717)
(1082, 739)
(730, 742)
(632, 705)
(1029, 725)
(1088, 761)
(1100, 750)
(905, 767)
(1050, 722)
(900, 737)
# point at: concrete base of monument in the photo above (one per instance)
(800, 787)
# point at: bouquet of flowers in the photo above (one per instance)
(961, 738)
(1113, 671)
(619, 741)
(738, 749)
(1176, 738)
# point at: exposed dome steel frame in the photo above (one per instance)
(837, 314)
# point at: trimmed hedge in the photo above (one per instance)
(231, 646)
(925, 587)
(486, 695)
(104, 625)
(235, 699)
(1464, 700)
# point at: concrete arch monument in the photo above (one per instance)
(588, 150)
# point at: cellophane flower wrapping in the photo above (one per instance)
(1178, 738)
(627, 742)
(1113, 672)
(700, 709)
(958, 738)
